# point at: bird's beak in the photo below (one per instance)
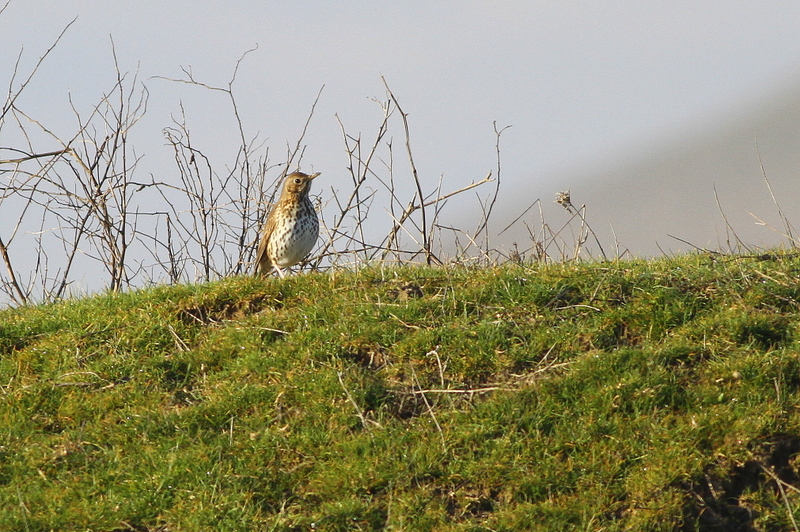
(312, 176)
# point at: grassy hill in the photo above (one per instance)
(651, 395)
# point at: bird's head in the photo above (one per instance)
(298, 183)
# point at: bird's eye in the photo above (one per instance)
(297, 180)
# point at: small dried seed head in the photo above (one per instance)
(563, 199)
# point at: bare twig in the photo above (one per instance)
(698, 248)
(4, 6)
(430, 411)
(483, 227)
(426, 245)
(34, 156)
(780, 483)
(20, 294)
(564, 199)
(789, 230)
(728, 227)
(12, 98)
(364, 422)
(465, 391)
(785, 234)
(297, 148)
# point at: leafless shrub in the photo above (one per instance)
(200, 221)
(80, 193)
(373, 174)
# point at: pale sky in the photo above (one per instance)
(579, 81)
(587, 86)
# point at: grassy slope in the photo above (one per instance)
(653, 395)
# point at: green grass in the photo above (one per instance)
(642, 395)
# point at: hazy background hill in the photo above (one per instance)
(668, 189)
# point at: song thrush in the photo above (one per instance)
(291, 229)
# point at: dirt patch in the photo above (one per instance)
(225, 309)
(716, 498)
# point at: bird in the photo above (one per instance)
(291, 229)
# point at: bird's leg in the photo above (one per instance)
(280, 272)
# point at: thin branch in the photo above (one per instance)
(784, 219)
(34, 156)
(485, 220)
(780, 483)
(728, 227)
(430, 411)
(303, 133)
(13, 98)
(13, 278)
(364, 421)
(426, 245)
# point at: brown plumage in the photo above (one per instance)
(291, 229)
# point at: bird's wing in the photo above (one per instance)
(263, 264)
